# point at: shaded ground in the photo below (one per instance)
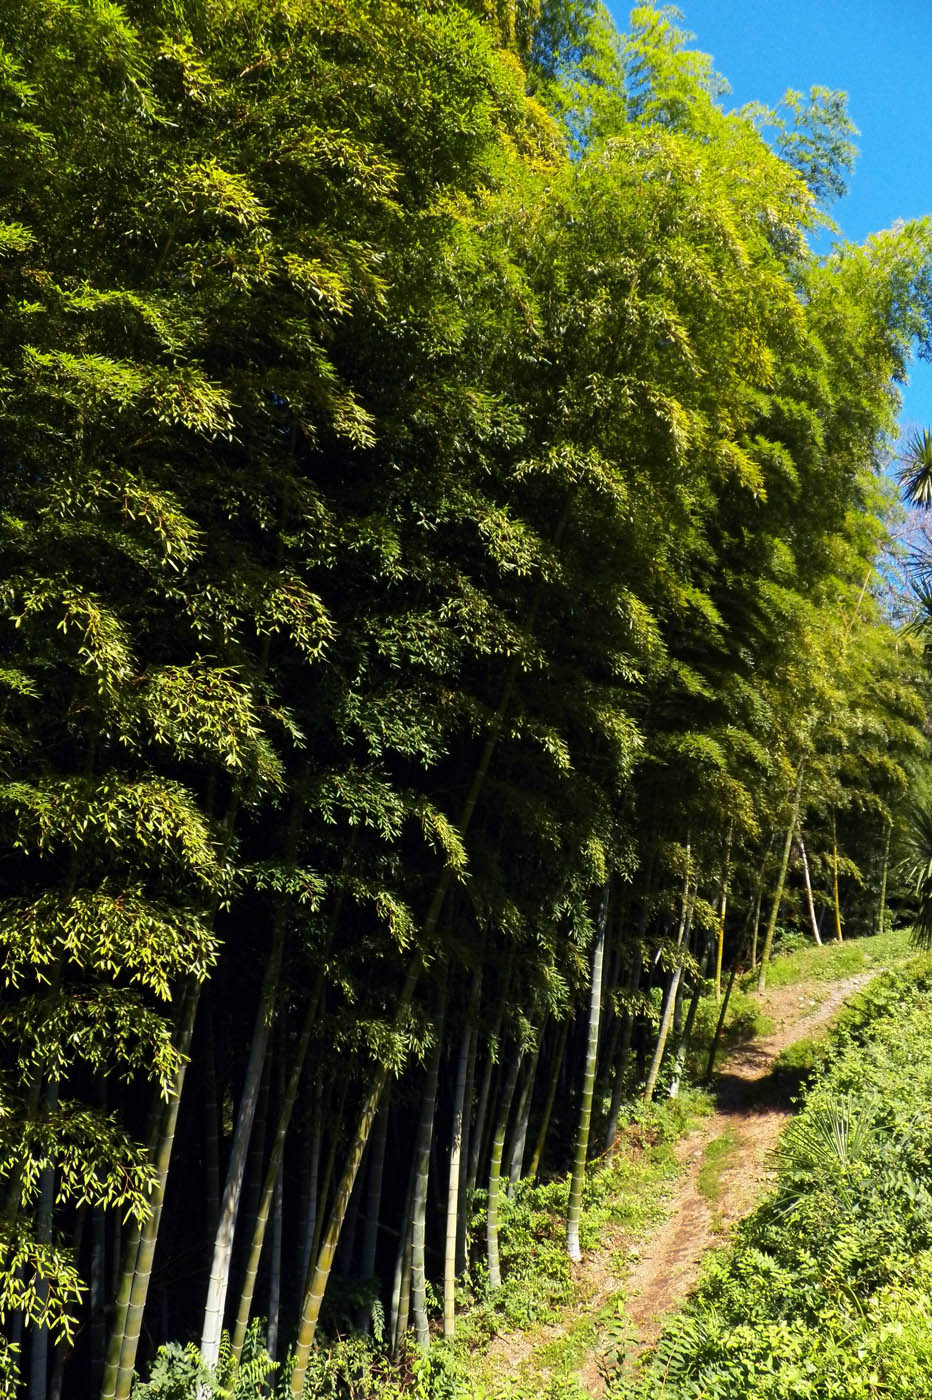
(726, 1172)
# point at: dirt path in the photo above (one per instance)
(748, 1119)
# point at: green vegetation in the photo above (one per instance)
(623, 1200)
(445, 630)
(838, 960)
(825, 1290)
(718, 1156)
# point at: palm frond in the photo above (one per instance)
(915, 475)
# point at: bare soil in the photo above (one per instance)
(666, 1265)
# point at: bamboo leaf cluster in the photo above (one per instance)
(442, 505)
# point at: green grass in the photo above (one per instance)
(627, 1196)
(718, 1157)
(836, 960)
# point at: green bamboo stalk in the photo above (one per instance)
(723, 906)
(370, 1237)
(320, 1273)
(620, 1063)
(397, 1322)
(838, 938)
(686, 913)
(495, 1169)
(808, 883)
(882, 909)
(522, 1119)
(212, 1129)
(621, 1060)
(219, 1282)
(272, 1176)
(585, 1109)
(236, 1169)
(463, 1196)
(121, 1358)
(781, 882)
(456, 1163)
(758, 900)
(559, 1051)
(679, 1055)
(421, 1181)
(403, 1310)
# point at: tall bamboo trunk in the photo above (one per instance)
(808, 883)
(720, 1024)
(312, 1183)
(882, 908)
(275, 1268)
(421, 1182)
(137, 1270)
(781, 881)
(326, 1177)
(370, 1238)
(403, 1306)
(219, 1282)
(401, 1282)
(495, 1168)
(585, 1108)
(838, 937)
(723, 907)
(212, 1128)
(559, 1050)
(320, 1271)
(478, 1135)
(522, 1118)
(686, 913)
(682, 1045)
(273, 1175)
(758, 900)
(624, 1048)
(454, 1180)
(97, 1294)
(239, 1151)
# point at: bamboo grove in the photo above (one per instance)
(442, 632)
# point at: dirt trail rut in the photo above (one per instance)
(671, 1258)
(667, 1263)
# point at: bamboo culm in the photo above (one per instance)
(495, 1168)
(686, 913)
(882, 907)
(813, 921)
(556, 1065)
(121, 1357)
(273, 1175)
(781, 882)
(522, 1118)
(421, 1181)
(236, 1169)
(585, 1109)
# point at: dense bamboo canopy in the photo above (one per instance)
(443, 533)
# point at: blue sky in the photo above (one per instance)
(880, 55)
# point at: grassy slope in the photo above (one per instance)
(825, 1293)
(628, 1198)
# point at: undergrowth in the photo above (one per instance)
(624, 1197)
(826, 1292)
(831, 962)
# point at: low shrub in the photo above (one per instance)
(826, 1292)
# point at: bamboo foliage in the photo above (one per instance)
(420, 501)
